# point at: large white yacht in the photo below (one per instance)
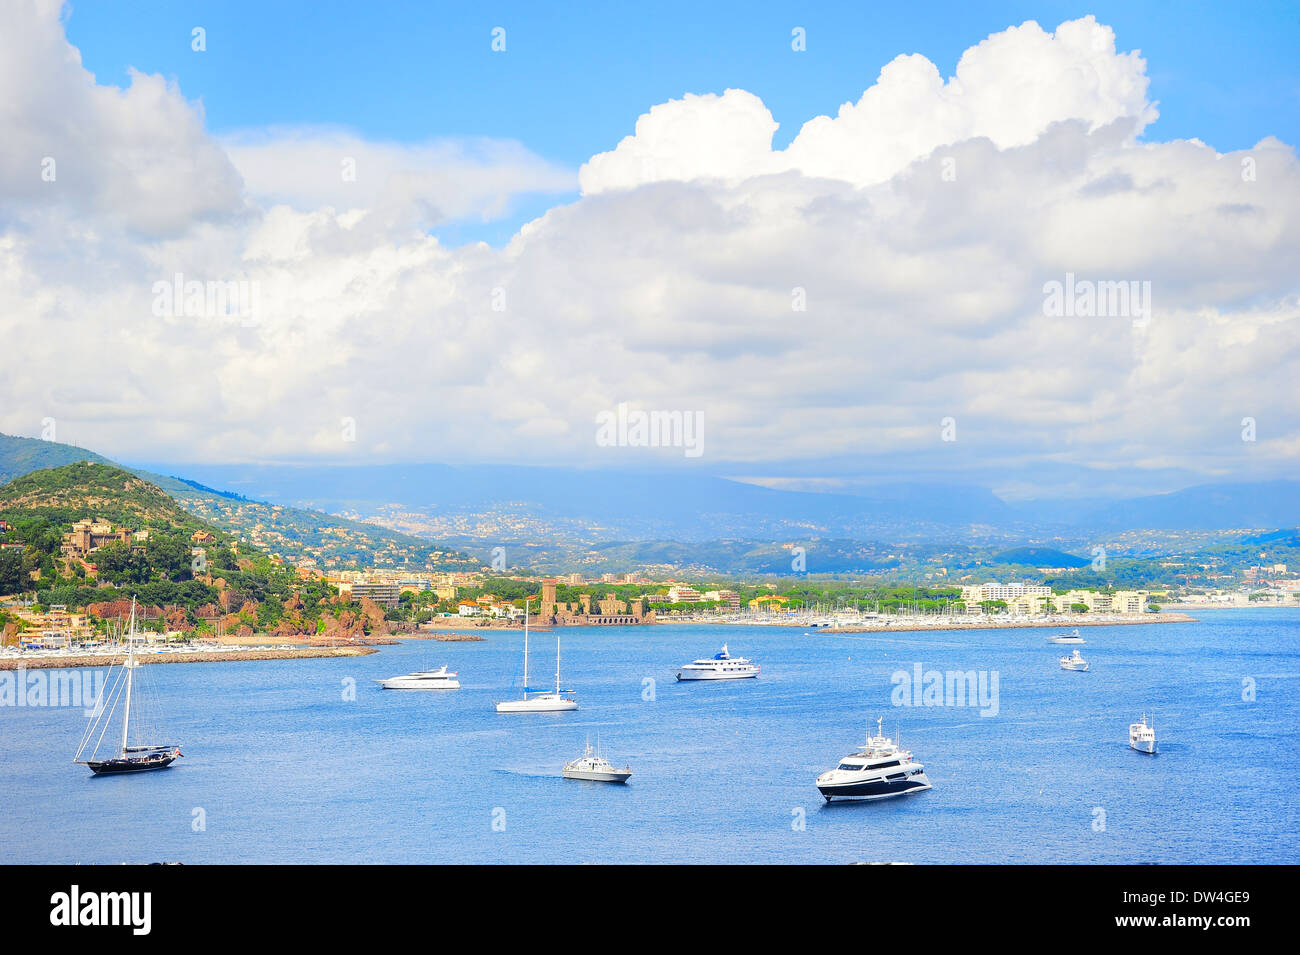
(542, 701)
(594, 767)
(1074, 662)
(722, 666)
(438, 679)
(878, 770)
(1142, 737)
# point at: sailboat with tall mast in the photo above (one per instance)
(128, 757)
(544, 701)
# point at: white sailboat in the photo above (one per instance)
(544, 701)
(129, 758)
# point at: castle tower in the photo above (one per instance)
(546, 612)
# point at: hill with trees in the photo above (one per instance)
(187, 575)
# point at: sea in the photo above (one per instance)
(310, 761)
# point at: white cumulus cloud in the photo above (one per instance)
(831, 302)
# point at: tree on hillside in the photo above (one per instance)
(122, 564)
(12, 578)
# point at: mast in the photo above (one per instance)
(557, 662)
(130, 676)
(527, 604)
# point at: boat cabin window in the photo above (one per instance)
(853, 767)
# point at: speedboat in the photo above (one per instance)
(1066, 638)
(878, 770)
(1074, 662)
(722, 666)
(595, 768)
(1142, 737)
(438, 679)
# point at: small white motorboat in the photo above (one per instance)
(1142, 737)
(595, 768)
(1074, 662)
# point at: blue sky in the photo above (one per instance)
(574, 78)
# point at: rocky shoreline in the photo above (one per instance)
(447, 636)
(58, 663)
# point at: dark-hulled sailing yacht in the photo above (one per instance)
(130, 757)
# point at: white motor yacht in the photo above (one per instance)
(1074, 662)
(438, 679)
(878, 770)
(1142, 737)
(1067, 638)
(722, 666)
(593, 767)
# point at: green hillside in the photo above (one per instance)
(20, 456)
(293, 533)
(89, 489)
(231, 584)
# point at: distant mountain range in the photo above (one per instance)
(566, 518)
(616, 505)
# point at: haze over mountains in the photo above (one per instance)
(650, 505)
(558, 518)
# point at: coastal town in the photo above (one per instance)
(389, 600)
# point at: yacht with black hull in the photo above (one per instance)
(130, 757)
(878, 770)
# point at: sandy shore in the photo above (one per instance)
(56, 663)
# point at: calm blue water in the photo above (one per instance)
(286, 770)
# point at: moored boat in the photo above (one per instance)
(595, 768)
(1142, 736)
(721, 666)
(1067, 638)
(438, 679)
(137, 757)
(879, 769)
(1074, 662)
(542, 701)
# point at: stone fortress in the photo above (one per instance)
(609, 612)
